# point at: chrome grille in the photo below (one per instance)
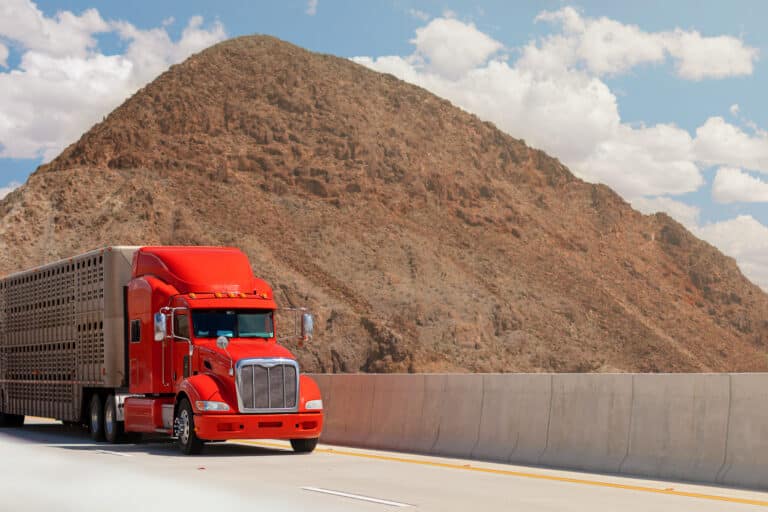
(267, 385)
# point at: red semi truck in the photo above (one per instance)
(174, 340)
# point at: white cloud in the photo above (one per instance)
(644, 161)
(64, 35)
(450, 48)
(685, 214)
(49, 101)
(419, 15)
(311, 7)
(150, 52)
(64, 84)
(7, 189)
(3, 56)
(605, 46)
(699, 57)
(721, 143)
(744, 239)
(734, 109)
(732, 185)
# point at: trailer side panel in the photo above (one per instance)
(62, 331)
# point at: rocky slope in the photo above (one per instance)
(423, 238)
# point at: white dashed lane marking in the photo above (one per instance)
(107, 452)
(357, 497)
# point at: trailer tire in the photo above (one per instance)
(184, 424)
(11, 420)
(96, 418)
(304, 445)
(113, 430)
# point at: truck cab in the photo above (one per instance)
(204, 360)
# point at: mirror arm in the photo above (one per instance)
(173, 333)
(303, 322)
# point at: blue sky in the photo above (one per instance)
(352, 28)
(663, 101)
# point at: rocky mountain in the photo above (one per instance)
(424, 239)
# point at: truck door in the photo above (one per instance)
(149, 363)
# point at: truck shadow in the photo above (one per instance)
(74, 437)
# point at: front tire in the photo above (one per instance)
(304, 445)
(113, 429)
(96, 418)
(184, 424)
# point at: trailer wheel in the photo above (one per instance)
(303, 445)
(184, 424)
(113, 429)
(11, 420)
(96, 418)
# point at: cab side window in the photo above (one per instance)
(181, 325)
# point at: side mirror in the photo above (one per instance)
(307, 326)
(160, 326)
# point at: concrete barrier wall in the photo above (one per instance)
(746, 452)
(679, 426)
(589, 422)
(515, 417)
(697, 427)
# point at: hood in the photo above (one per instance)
(243, 348)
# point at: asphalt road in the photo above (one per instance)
(47, 467)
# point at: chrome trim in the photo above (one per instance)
(166, 411)
(120, 404)
(266, 363)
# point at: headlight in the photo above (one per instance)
(313, 405)
(203, 405)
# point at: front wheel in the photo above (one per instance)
(184, 426)
(303, 445)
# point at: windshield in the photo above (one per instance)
(233, 323)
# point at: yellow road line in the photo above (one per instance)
(521, 474)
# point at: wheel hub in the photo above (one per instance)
(184, 426)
